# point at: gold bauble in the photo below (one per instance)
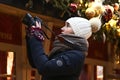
(118, 32)
(90, 13)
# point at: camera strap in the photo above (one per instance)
(44, 25)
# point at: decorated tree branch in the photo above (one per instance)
(106, 11)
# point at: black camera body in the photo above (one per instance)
(30, 21)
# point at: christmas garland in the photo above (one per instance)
(108, 13)
(69, 7)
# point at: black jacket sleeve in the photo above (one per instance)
(66, 63)
(29, 56)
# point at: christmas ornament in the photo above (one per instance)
(98, 7)
(107, 15)
(90, 13)
(73, 7)
(116, 6)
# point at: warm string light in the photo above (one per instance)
(81, 1)
(117, 59)
(118, 31)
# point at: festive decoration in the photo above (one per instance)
(108, 14)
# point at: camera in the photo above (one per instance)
(30, 21)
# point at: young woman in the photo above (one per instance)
(70, 48)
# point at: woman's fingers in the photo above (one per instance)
(38, 24)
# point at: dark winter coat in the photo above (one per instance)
(65, 60)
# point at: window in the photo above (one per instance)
(99, 72)
(7, 65)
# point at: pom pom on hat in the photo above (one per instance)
(81, 26)
(95, 24)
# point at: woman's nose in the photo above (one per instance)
(62, 28)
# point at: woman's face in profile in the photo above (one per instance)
(67, 29)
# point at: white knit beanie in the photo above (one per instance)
(83, 27)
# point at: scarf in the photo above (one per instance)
(64, 42)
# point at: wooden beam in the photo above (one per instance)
(20, 13)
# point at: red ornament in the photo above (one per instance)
(73, 7)
(107, 15)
